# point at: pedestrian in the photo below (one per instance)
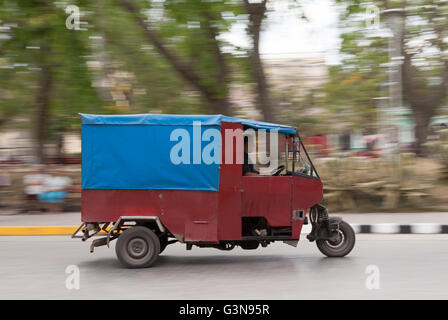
(5, 181)
(55, 191)
(33, 186)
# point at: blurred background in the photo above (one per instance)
(365, 83)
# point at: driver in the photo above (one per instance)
(248, 168)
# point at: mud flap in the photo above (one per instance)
(291, 242)
(323, 226)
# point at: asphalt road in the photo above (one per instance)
(8, 218)
(410, 267)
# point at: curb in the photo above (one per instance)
(395, 228)
(38, 230)
(379, 228)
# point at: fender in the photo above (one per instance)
(323, 226)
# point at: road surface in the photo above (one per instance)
(9, 218)
(410, 267)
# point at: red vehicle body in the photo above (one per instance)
(246, 211)
(322, 144)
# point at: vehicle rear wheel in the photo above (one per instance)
(137, 247)
(342, 246)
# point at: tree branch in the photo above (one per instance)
(256, 14)
(219, 57)
(182, 68)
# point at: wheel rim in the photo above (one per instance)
(137, 248)
(339, 243)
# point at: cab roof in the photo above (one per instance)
(181, 120)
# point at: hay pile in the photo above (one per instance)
(377, 184)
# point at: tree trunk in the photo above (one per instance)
(42, 106)
(219, 106)
(423, 99)
(422, 118)
(186, 71)
(256, 14)
(219, 101)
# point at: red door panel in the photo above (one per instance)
(269, 197)
(306, 193)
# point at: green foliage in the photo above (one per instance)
(183, 25)
(362, 75)
(36, 38)
(355, 85)
(124, 43)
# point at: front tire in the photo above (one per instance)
(137, 247)
(339, 248)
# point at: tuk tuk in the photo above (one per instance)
(151, 180)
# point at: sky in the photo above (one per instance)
(286, 34)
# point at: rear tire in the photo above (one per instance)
(137, 247)
(341, 248)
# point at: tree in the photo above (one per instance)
(121, 46)
(424, 67)
(213, 80)
(173, 51)
(425, 86)
(207, 71)
(44, 73)
(46, 61)
(257, 11)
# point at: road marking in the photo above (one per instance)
(38, 230)
(426, 228)
(385, 228)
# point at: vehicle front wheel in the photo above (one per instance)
(137, 247)
(341, 247)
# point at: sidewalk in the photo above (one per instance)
(36, 219)
(398, 218)
(67, 222)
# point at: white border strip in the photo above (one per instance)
(391, 228)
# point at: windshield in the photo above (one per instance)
(301, 162)
(267, 154)
(285, 151)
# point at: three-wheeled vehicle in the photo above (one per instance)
(151, 180)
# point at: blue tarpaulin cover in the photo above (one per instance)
(133, 151)
(175, 119)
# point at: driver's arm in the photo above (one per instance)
(248, 168)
